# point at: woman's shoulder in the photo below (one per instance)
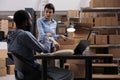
(41, 19)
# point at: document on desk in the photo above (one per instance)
(65, 52)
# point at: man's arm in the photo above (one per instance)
(32, 43)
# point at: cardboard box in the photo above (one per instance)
(73, 61)
(98, 21)
(78, 70)
(87, 20)
(73, 13)
(2, 62)
(3, 50)
(112, 3)
(77, 67)
(111, 21)
(114, 39)
(3, 53)
(67, 47)
(4, 26)
(104, 3)
(3, 71)
(97, 3)
(61, 30)
(69, 41)
(115, 51)
(103, 21)
(92, 39)
(117, 3)
(88, 14)
(114, 21)
(108, 21)
(10, 69)
(109, 3)
(101, 39)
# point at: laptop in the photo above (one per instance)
(82, 45)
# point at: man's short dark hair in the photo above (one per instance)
(50, 6)
(20, 17)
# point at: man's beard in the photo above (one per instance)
(28, 27)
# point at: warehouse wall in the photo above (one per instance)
(69, 4)
(8, 5)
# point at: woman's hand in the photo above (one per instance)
(57, 45)
(49, 34)
(63, 37)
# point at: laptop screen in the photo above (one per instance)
(82, 45)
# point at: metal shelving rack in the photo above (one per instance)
(116, 10)
(104, 10)
(100, 9)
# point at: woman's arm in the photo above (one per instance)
(40, 29)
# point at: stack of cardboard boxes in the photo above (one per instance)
(106, 21)
(107, 36)
(3, 56)
(5, 69)
(4, 26)
(104, 3)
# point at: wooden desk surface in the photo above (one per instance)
(71, 56)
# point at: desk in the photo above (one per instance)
(88, 63)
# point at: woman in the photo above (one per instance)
(47, 26)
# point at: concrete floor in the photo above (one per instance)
(7, 77)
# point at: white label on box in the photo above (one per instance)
(3, 45)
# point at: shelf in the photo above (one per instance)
(106, 27)
(104, 55)
(105, 76)
(101, 9)
(104, 65)
(73, 17)
(104, 46)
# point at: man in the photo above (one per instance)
(23, 43)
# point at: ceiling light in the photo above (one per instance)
(10, 17)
